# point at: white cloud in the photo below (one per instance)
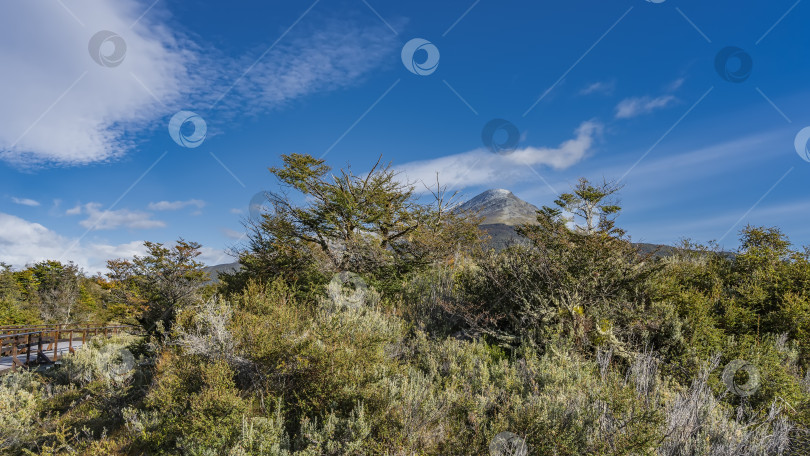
(23, 242)
(482, 167)
(603, 87)
(175, 205)
(25, 201)
(211, 256)
(98, 219)
(236, 211)
(61, 107)
(633, 107)
(74, 210)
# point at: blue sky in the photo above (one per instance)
(626, 89)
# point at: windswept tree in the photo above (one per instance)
(370, 223)
(161, 282)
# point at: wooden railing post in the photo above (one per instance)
(14, 354)
(56, 345)
(70, 342)
(27, 349)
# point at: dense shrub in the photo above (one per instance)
(105, 360)
(20, 398)
(191, 404)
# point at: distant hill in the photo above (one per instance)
(501, 207)
(503, 211)
(216, 270)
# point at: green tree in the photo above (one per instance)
(592, 207)
(161, 282)
(769, 285)
(57, 290)
(13, 309)
(370, 223)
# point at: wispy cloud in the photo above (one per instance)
(25, 201)
(602, 87)
(175, 205)
(676, 84)
(330, 56)
(714, 225)
(98, 219)
(666, 176)
(232, 234)
(62, 108)
(634, 107)
(482, 167)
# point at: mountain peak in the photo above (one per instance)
(501, 206)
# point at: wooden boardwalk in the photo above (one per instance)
(6, 362)
(22, 346)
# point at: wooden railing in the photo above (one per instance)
(16, 329)
(40, 340)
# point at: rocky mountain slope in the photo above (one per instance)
(499, 206)
(502, 211)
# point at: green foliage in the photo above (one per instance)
(572, 341)
(192, 404)
(100, 360)
(161, 282)
(591, 204)
(564, 282)
(321, 356)
(20, 398)
(370, 223)
(12, 305)
(52, 292)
